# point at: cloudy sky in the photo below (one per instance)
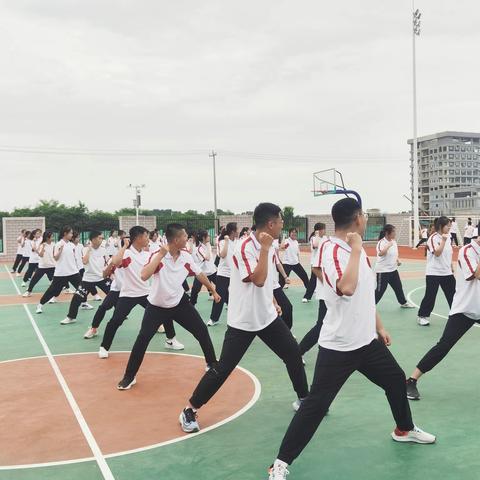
(279, 89)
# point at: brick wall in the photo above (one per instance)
(323, 218)
(126, 223)
(242, 220)
(11, 230)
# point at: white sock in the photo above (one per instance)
(279, 463)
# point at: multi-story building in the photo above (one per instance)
(448, 173)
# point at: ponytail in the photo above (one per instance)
(387, 229)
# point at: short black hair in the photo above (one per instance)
(94, 234)
(441, 222)
(172, 230)
(345, 211)
(65, 230)
(135, 232)
(291, 230)
(319, 226)
(264, 213)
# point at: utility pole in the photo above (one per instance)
(416, 219)
(137, 201)
(213, 156)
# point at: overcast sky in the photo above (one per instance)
(280, 89)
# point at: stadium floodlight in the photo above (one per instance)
(137, 201)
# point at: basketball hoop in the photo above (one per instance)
(330, 182)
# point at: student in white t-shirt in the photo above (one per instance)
(439, 271)
(244, 233)
(26, 251)
(454, 231)
(66, 269)
(46, 263)
(291, 260)
(113, 243)
(20, 243)
(169, 267)
(387, 265)
(352, 339)
(133, 256)
(465, 313)
(154, 242)
(252, 313)
(226, 247)
(278, 293)
(469, 231)
(35, 241)
(94, 259)
(423, 236)
(314, 241)
(204, 258)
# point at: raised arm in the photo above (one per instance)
(348, 283)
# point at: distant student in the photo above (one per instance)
(387, 265)
(154, 241)
(26, 251)
(19, 256)
(278, 293)
(113, 243)
(454, 231)
(439, 272)
(423, 236)
(35, 241)
(205, 262)
(469, 231)
(314, 241)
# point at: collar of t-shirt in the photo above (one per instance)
(341, 243)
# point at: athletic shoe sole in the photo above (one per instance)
(187, 430)
(129, 386)
(413, 398)
(408, 439)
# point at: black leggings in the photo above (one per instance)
(447, 282)
(23, 262)
(332, 370)
(39, 273)
(421, 242)
(32, 267)
(311, 338)
(184, 314)
(312, 285)
(276, 336)
(81, 294)
(456, 327)
(17, 261)
(467, 240)
(197, 286)
(285, 305)
(222, 284)
(57, 285)
(299, 270)
(108, 302)
(385, 279)
(123, 307)
(454, 238)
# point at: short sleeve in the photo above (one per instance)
(246, 260)
(468, 262)
(433, 242)
(127, 259)
(335, 266)
(192, 267)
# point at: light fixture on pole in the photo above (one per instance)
(137, 201)
(415, 205)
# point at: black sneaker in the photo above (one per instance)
(412, 391)
(126, 383)
(188, 421)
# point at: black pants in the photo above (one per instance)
(184, 314)
(456, 327)
(186, 286)
(385, 279)
(467, 240)
(23, 262)
(421, 242)
(332, 370)
(217, 261)
(17, 261)
(123, 307)
(39, 273)
(454, 238)
(108, 302)
(32, 267)
(285, 305)
(299, 270)
(82, 292)
(312, 285)
(57, 285)
(222, 289)
(197, 286)
(311, 338)
(447, 282)
(276, 336)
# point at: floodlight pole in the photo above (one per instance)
(137, 201)
(213, 156)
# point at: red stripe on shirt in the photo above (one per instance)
(244, 257)
(431, 241)
(321, 253)
(191, 273)
(126, 262)
(337, 263)
(467, 259)
(159, 267)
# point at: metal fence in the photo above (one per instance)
(301, 224)
(375, 225)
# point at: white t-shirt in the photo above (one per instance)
(47, 261)
(112, 245)
(154, 246)
(167, 290)
(467, 292)
(96, 263)
(441, 265)
(314, 244)
(20, 245)
(132, 263)
(320, 288)
(207, 263)
(276, 276)
(424, 233)
(35, 244)
(117, 281)
(292, 252)
(225, 264)
(66, 264)
(27, 248)
(250, 307)
(78, 252)
(454, 228)
(350, 322)
(469, 230)
(387, 263)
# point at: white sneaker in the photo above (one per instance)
(161, 329)
(416, 436)
(90, 333)
(423, 322)
(18, 274)
(24, 284)
(67, 321)
(52, 300)
(304, 300)
(211, 323)
(86, 306)
(39, 308)
(285, 286)
(97, 298)
(407, 305)
(102, 353)
(296, 404)
(173, 344)
(27, 294)
(277, 472)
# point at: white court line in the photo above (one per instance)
(92, 443)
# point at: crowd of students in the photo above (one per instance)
(248, 276)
